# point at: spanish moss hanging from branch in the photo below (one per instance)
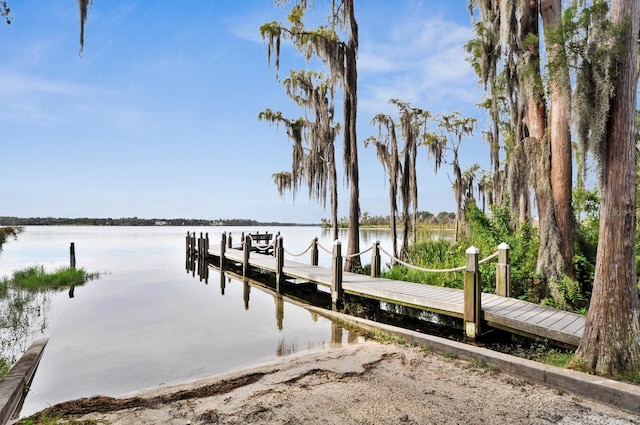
(84, 7)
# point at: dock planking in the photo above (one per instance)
(514, 315)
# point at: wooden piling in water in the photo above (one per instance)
(314, 251)
(72, 256)
(503, 271)
(375, 260)
(336, 275)
(472, 288)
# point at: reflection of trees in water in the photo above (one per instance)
(23, 318)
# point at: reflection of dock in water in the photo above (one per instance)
(339, 334)
(477, 310)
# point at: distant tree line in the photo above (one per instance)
(135, 221)
(366, 219)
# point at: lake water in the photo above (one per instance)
(146, 322)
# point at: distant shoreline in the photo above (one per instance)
(135, 221)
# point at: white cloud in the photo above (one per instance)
(421, 61)
(12, 84)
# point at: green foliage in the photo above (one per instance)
(571, 294)
(35, 278)
(487, 232)
(430, 254)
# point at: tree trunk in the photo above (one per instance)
(457, 189)
(392, 217)
(414, 188)
(352, 262)
(550, 263)
(561, 166)
(334, 195)
(535, 114)
(405, 191)
(611, 341)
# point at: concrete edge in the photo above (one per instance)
(15, 385)
(617, 394)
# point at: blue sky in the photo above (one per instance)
(158, 118)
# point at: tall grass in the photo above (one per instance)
(36, 278)
(485, 233)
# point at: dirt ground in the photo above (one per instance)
(368, 383)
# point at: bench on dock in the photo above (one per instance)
(261, 242)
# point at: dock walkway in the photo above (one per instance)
(505, 313)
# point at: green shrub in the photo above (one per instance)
(35, 278)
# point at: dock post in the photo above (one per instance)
(206, 246)
(503, 271)
(279, 252)
(72, 255)
(472, 287)
(223, 245)
(314, 251)
(187, 243)
(336, 274)
(246, 248)
(229, 242)
(375, 260)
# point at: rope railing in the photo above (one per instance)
(346, 256)
(325, 249)
(393, 257)
(489, 258)
(298, 255)
(422, 269)
(358, 253)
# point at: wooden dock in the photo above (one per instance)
(490, 310)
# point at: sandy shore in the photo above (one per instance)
(369, 383)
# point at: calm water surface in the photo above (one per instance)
(146, 322)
